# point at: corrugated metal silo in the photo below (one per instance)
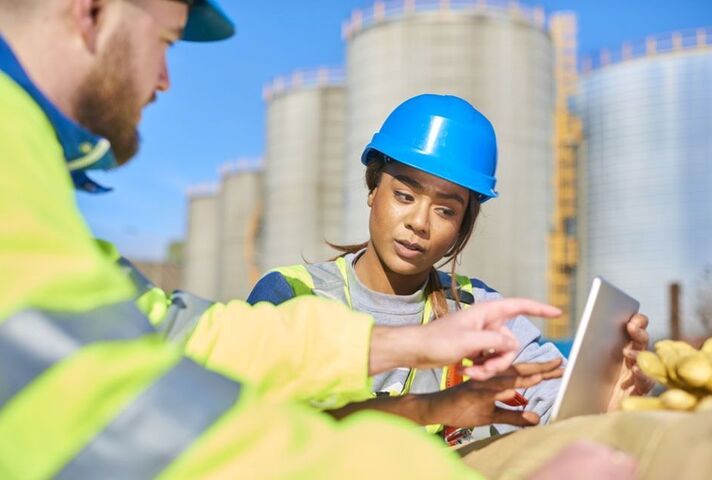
(646, 197)
(497, 55)
(201, 243)
(303, 167)
(239, 214)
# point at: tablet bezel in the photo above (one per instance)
(597, 352)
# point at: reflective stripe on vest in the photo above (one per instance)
(33, 340)
(175, 317)
(154, 428)
(140, 281)
(164, 420)
(151, 300)
(183, 315)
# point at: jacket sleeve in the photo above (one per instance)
(272, 288)
(111, 398)
(541, 397)
(305, 349)
(260, 440)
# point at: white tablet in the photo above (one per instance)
(597, 352)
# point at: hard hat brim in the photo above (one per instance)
(482, 185)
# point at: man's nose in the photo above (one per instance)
(164, 80)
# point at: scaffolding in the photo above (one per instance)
(563, 245)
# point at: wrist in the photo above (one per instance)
(393, 347)
(417, 407)
(428, 408)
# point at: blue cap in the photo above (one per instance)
(207, 22)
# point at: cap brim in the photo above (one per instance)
(207, 23)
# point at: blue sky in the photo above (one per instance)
(214, 112)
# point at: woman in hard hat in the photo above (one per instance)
(428, 171)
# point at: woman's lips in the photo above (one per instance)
(408, 250)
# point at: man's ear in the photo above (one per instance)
(86, 15)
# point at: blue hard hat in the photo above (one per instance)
(442, 135)
(207, 22)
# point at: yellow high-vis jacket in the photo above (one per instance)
(90, 389)
(305, 350)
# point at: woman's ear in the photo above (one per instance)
(371, 194)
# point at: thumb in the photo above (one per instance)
(514, 417)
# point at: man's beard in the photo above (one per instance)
(107, 102)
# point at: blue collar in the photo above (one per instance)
(82, 149)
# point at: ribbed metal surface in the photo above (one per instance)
(201, 244)
(646, 196)
(499, 57)
(238, 212)
(303, 171)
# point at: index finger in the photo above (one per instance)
(498, 312)
(525, 369)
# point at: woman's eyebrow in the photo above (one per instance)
(451, 196)
(415, 185)
(411, 182)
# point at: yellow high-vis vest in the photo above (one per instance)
(302, 282)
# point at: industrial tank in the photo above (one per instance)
(646, 170)
(498, 56)
(239, 213)
(201, 242)
(303, 167)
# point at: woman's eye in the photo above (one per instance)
(403, 196)
(446, 212)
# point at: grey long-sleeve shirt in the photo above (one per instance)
(394, 310)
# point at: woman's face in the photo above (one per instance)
(415, 218)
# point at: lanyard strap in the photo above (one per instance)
(427, 313)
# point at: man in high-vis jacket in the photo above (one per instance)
(88, 387)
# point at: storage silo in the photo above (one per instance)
(303, 166)
(239, 214)
(498, 55)
(201, 242)
(646, 196)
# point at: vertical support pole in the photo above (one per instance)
(675, 327)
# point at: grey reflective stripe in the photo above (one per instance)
(325, 275)
(33, 340)
(157, 426)
(139, 280)
(183, 315)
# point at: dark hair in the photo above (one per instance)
(435, 293)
